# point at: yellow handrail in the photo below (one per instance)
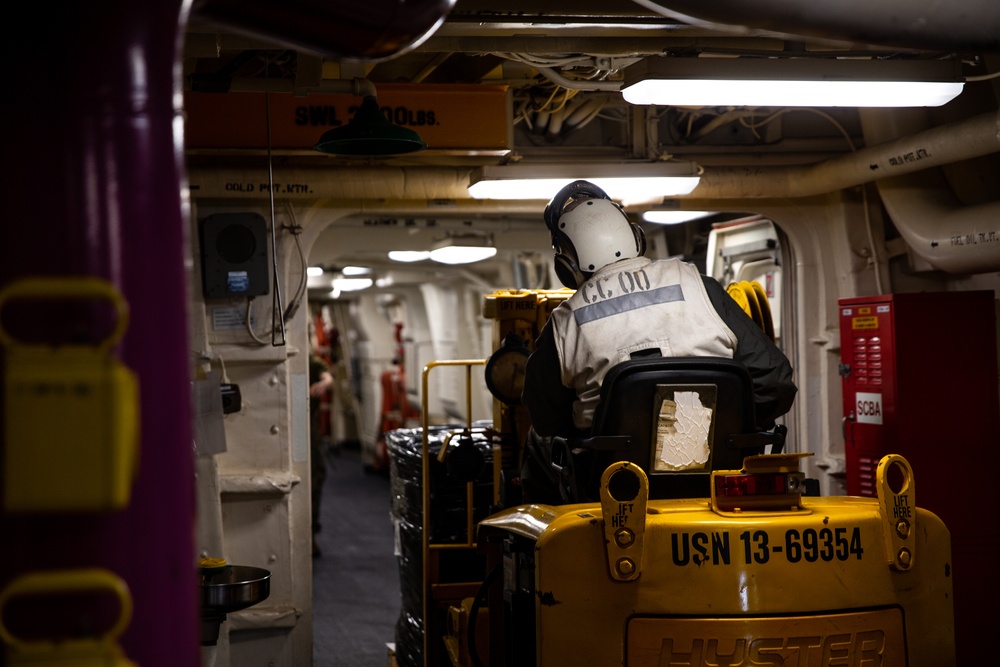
(426, 478)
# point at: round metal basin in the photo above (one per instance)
(234, 587)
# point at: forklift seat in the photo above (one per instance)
(678, 418)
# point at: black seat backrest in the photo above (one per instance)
(631, 398)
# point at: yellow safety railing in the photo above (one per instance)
(426, 483)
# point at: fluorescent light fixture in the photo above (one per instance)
(463, 250)
(355, 271)
(792, 82)
(628, 181)
(314, 271)
(674, 217)
(409, 255)
(351, 284)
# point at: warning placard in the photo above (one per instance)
(868, 408)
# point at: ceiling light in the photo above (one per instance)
(369, 132)
(355, 271)
(409, 255)
(351, 284)
(674, 217)
(792, 82)
(463, 249)
(314, 271)
(629, 181)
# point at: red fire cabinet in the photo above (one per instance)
(919, 377)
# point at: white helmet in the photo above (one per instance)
(589, 231)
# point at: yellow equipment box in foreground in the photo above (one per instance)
(755, 575)
(71, 413)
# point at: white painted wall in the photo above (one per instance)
(253, 498)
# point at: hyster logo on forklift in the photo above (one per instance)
(849, 648)
(872, 638)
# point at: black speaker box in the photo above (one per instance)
(234, 255)
(232, 398)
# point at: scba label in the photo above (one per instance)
(868, 408)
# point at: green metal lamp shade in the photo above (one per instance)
(369, 133)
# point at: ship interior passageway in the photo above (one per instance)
(356, 597)
(197, 216)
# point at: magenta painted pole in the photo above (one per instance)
(92, 180)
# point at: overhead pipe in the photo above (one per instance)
(941, 230)
(945, 144)
(938, 228)
(918, 152)
(371, 30)
(577, 84)
(586, 112)
(374, 189)
(357, 86)
(560, 118)
(969, 25)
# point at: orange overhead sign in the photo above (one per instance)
(447, 117)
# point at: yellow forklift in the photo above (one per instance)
(726, 559)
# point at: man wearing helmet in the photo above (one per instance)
(627, 305)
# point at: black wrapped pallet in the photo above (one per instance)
(447, 518)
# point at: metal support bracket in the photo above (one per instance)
(624, 493)
(897, 502)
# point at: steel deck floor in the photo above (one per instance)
(356, 599)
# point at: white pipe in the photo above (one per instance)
(964, 25)
(585, 111)
(575, 84)
(360, 183)
(542, 121)
(974, 137)
(934, 223)
(560, 118)
(555, 124)
(424, 191)
(937, 228)
(356, 86)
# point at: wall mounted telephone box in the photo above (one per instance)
(919, 378)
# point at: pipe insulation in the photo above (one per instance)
(357, 86)
(368, 183)
(945, 144)
(941, 230)
(965, 25)
(371, 31)
(949, 236)
(576, 84)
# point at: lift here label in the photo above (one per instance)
(761, 547)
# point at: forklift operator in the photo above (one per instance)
(627, 306)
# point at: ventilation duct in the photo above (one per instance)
(369, 30)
